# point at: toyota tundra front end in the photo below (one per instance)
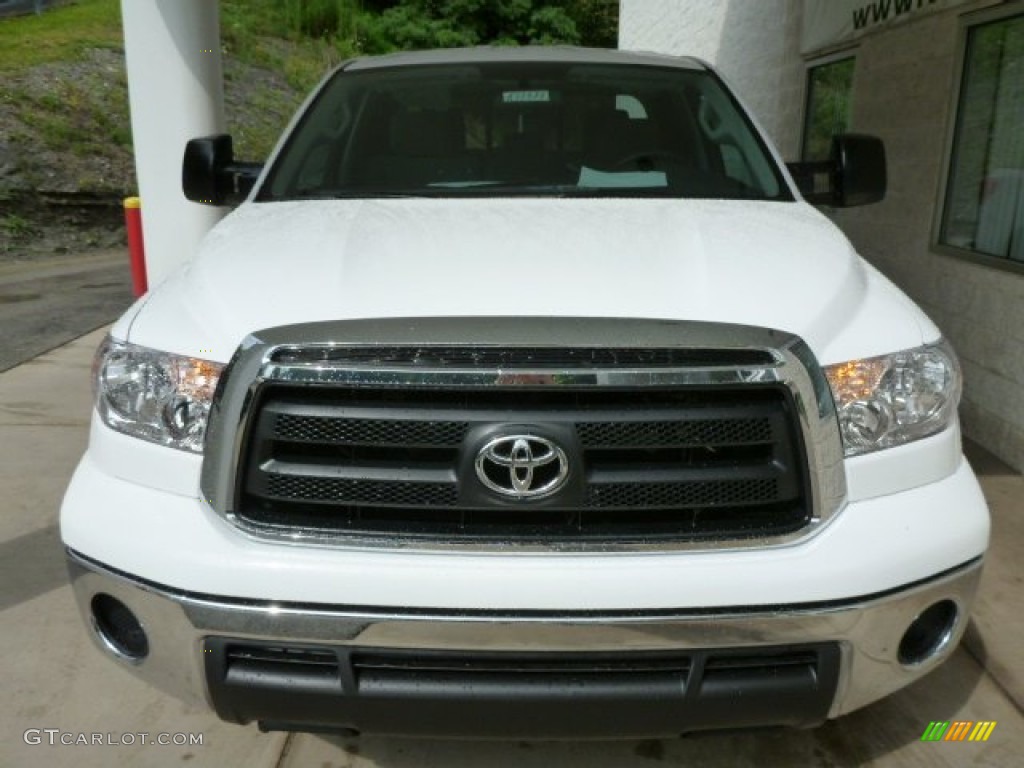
(525, 396)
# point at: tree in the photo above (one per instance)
(412, 24)
(597, 21)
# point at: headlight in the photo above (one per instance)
(894, 399)
(154, 395)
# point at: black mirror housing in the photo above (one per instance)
(210, 175)
(855, 173)
(200, 172)
(861, 172)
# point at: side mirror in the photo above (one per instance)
(854, 174)
(210, 175)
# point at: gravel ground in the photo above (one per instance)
(67, 128)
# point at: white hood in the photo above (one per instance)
(778, 265)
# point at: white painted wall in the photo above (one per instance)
(175, 89)
(755, 45)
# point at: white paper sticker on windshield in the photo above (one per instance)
(591, 178)
(521, 97)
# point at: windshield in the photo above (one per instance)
(501, 129)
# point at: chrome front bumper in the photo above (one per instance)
(868, 631)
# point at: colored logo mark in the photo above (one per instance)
(959, 730)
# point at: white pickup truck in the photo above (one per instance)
(524, 395)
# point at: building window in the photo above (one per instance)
(829, 91)
(984, 207)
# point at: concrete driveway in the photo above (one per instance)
(55, 680)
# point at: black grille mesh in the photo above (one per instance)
(369, 431)
(346, 431)
(346, 491)
(671, 464)
(680, 494)
(667, 433)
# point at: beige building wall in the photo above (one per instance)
(904, 82)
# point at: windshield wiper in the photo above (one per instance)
(487, 189)
(350, 194)
(531, 189)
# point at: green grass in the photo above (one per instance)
(16, 226)
(303, 64)
(257, 127)
(81, 116)
(261, 33)
(61, 34)
(248, 31)
(78, 116)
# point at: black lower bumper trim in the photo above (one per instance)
(519, 695)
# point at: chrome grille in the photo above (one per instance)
(677, 435)
(444, 356)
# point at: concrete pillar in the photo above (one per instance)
(176, 92)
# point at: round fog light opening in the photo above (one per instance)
(928, 633)
(118, 628)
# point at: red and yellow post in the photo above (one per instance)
(136, 248)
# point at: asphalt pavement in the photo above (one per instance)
(44, 304)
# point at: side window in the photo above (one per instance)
(984, 204)
(827, 112)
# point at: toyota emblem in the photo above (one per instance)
(522, 466)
